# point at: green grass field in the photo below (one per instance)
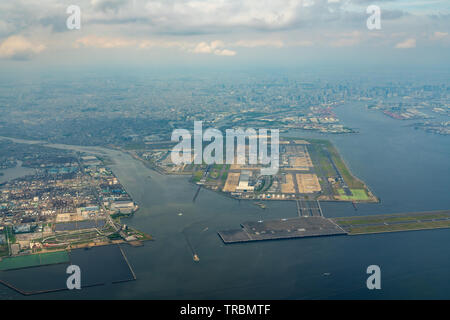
(197, 176)
(358, 195)
(34, 260)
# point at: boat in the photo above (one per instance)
(260, 204)
(196, 258)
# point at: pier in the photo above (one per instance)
(196, 193)
(301, 227)
(128, 263)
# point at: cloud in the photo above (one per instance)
(439, 35)
(148, 44)
(407, 44)
(443, 38)
(195, 16)
(203, 47)
(300, 43)
(214, 47)
(19, 48)
(346, 42)
(104, 42)
(106, 5)
(190, 17)
(6, 27)
(225, 52)
(347, 39)
(191, 26)
(392, 14)
(259, 43)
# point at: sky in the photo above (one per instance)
(33, 33)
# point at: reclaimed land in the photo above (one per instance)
(329, 163)
(33, 260)
(300, 227)
(316, 226)
(395, 222)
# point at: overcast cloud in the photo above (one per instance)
(218, 27)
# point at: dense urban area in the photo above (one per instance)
(135, 111)
(68, 200)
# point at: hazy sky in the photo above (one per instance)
(223, 31)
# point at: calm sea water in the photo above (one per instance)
(408, 169)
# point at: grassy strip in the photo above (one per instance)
(387, 219)
(400, 227)
(351, 181)
(320, 159)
